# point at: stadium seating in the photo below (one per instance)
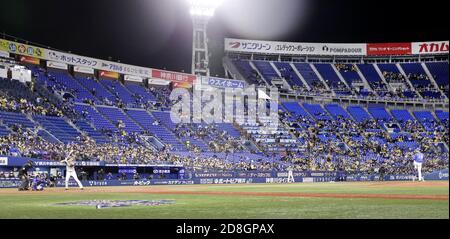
(442, 115)
(309, 75)
(85, 127)
(317, 111)
(266, 70)
(337, 111)
(58, 127)
(332, 79)
(247, 71)
(402, 115)
(141, 91)
(100, 122)
(295, 108)
(149, 123)
(439, 70)
(373, 78)
(11, 118)
(4, 131)
(100, 92)
(289, 74)
(115, 115)
(120, 91)
(63, 81)
(358, 113)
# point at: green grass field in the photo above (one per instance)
(299, 201)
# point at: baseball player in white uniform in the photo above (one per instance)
(290, 175)
(418, 161)
(70, 170)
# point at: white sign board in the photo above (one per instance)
(133, 78)
(57, 65)
(83, 69)
(291, 48)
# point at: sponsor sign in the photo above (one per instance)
(77, 60)
(389, 49)
(158, 82)
(108, 74)
(290, 48)
(430, 48)
(308, 180)
(30, 60)
(3, 161)
(213, 175)
(57, 65)
(223, 83)
(173, 76)
(83, 69)
(133, 78)
(21, 49)
(4, 54)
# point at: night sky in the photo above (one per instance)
(157, 33)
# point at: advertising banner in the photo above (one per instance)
(438, 175)
(389, 49)
(133, 78)
(158, 82)
(57, 65)
(109, 74)
(30, 60)
(21, 49)
(223, 83)
(83, 69)
(291, 48)
(77, 60)
(430, 48)
(173, 76)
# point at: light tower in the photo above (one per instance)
(201, 11)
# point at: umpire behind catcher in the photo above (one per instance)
(23, 176)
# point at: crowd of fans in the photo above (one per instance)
(366, 146)
(327, 145)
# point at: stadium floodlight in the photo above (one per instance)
(204, 8)
(201, 12)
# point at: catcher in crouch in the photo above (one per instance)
(70, 169)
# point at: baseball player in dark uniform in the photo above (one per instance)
(23, 176)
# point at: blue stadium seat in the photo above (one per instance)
(317, 111)
(266, 70)
(11, 118)
(289, 74)
(358, 113)
(402, 115)
(58, 127)
(147, 122)
(114, 115)
(98, 120)
(337, 111)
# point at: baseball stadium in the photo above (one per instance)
(271, 128)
